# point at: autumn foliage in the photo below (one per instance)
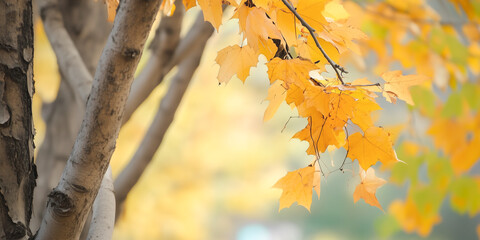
(304, 40)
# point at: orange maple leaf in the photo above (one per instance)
(319, 134)
(241, 12)
(259, 28)
(362, 112)
(291, 71)
(307, 49)
(212, 11)
(189, 4)
(297, 187)
(397, 85)
(235, 60)
(112, 6)
(411, 219)
(368, 187)
(374, 146)
(276, 95)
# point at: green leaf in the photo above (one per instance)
(374, 30)
(402, 172)
(441, 41)
(471, 93)
(465, 195)
(386, 226)
(453, 106)
(428, 199)
(439, 171)
(424, 100)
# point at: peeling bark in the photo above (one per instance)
(17, 170)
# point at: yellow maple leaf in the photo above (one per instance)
(297, 187)
(462, 144)
(410, 218)
(260, 27)
(265, 4)
(368, 187)
(241, 13)
(276, 95)
(318, 132)
(212, 11)
(397, 85)
(287, 24)
(334, 11)
(374, 146)
(235, 60)
(267, 48)
(289, 71)
(307, 49)
(466, 155)
(311, 12)
(362, 112)
(341, 35)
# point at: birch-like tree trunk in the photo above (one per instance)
(17, 170)
(70, 202)
(64, 115)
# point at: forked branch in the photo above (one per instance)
(164, 117)
(70, 62)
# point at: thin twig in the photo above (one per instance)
(335, 66)
(366, 85)
(348, 149)
(285, 126)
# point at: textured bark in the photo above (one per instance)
(17, 170)
(167, 36)
(164, 117)
(64, 115)
(71, 200)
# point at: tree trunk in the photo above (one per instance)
(17, 170)
(63, 116)
(72, 199)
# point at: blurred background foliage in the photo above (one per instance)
(212, 178)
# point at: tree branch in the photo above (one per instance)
(335, 66)
(167, 37)
(164, 117)
(72, 199)
(103, 220)
(196, 38)
(156, 69)
(69, 60)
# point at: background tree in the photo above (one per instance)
(301, 42)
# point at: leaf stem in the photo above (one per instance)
(366, 85)
(335, 66)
